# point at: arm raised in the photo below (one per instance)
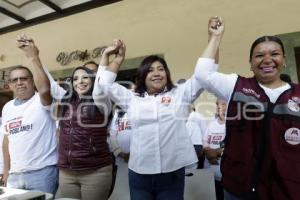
(40, 78)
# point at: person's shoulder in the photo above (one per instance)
(213, 122)
(296, 86)
(8, 104)
(196, 116)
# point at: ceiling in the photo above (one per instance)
(18, 14)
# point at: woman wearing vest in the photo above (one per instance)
(85, 162)
(160, 147)
(261, 159)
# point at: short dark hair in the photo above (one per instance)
(21, 67)
(143, 71)
(90, 62)
(265, 39)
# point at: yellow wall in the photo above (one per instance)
(175, 28)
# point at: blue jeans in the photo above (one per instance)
(157, 186)
(45, 180)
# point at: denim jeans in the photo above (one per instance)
(157, 186)
(45, 180)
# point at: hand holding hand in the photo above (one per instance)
(113, 48)
(216, 26)
(213, 155)
(125, 156)
(120, 55)
(27, 46)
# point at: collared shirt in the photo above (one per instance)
(159, 141)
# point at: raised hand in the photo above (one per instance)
(215, 26)
(120, 54)
(117, 50)
(27, 46)
(113, 48)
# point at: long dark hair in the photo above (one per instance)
(265, 39)
(72, 95)
(143, 71)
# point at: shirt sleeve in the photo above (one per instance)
(113, 131)
(196, 127)
(101, 99)
(193, 87)
(113, 91)
(57, 91)
(215, 82)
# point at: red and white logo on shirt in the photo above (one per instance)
(123, 125)
(215, 139)
(166, 100)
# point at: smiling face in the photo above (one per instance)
(81, 82)
(21, 83)
(267, 62)
(156, 79)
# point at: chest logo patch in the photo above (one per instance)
(292, 136)
(166, 100)
(293, 106)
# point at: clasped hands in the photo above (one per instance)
(213, 155)
(27, 45)
(216, 26)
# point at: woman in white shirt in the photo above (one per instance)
(160, 147)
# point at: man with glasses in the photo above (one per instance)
(29, 145)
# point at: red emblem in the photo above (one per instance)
(165, 100)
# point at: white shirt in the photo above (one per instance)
(214, 134)
(31, 134)
(1, 141)
(223, 84)
(196, 126)
(159, 142)
(120, 132)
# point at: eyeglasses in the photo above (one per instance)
(21, 79)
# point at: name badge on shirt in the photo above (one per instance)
(292, 136)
